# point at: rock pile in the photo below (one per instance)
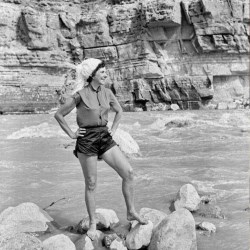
(26, 227)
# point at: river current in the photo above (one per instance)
(209, 149)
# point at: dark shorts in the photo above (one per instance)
(96, 141)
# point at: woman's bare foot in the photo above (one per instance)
(91, 233)
(136, 216)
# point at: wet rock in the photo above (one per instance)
(26, 217)
(155, 216)
(210, 211)
(179, 123)
(139, 236)
(20, 241)
(58, 242)
(245, 129)
(174, 107)
(206, 199)
(206, 226)
(188, 198)
(108, 239)
(85, 243)
(104, 217)
(176, 232)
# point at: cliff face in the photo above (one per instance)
(193, 52)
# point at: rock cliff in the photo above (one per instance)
(194, 53)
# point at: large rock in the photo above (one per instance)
(26, 217)
(117, 244)
(126, 143)
(210, 211)
(85, 243)
(139, 236)
(109, 238)
(20, 241)
(174, 107)
(58, 242)
(206, 226)
(176, 232)
(105, 218)
(155, 216)
(188, 198)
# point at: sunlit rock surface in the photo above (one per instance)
(188, 198)
(20, 241)
(26, 217)
(176, 232)
(58, 242)
(192, 53)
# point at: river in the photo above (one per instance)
(209, 149)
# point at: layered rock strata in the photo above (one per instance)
(194, 53)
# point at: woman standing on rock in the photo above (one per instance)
(94, 139)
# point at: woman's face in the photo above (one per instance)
(100, 76)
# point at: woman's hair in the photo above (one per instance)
(80, 78)
(101, 65)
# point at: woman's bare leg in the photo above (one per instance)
(89, 169)
(115, 158)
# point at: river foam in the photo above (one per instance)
(43, 130)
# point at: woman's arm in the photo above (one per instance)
(117, 118)
(63, 111)
(118, 113)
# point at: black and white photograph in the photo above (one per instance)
(124, 124)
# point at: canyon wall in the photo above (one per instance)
(194, 53)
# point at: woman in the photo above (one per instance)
(94, 139)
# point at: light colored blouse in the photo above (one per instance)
(93, 106)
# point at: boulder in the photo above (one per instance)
(117, 244)
(206, 226)
(188, 198)
(109, 238)
(58, 242)
(139, 236)
(210, 211)
(126, 143)
(85, 243)
(176, 232)
(20, 241)
(26, 217)
(205, 199)
(222, 106)
(155, 216)
(174, 107)
(104, 217)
